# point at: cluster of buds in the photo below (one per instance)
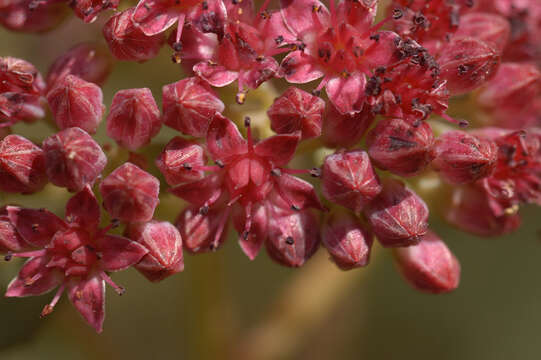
(381, 124)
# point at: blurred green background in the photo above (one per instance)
(224, 306)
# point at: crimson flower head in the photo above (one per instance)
(74, 255)
(339, 45)
(247, 175)
(245, 49)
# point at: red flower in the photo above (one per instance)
(246, 175)
(339, 46)
(75, 255)
(245, 49)
(20, 15)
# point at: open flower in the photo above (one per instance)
(74, 255)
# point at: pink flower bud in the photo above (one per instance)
(348, 179)
(127, 42)
(189, 106)
(398, 216)
(134, 118)
(76, 103)
(297, 110)
(22, 165)
(471, 210)
(400, 147)
(514, 87)
(87, 61)
(17, 15)
(19, 75)
(201, 230)
(345, 130)
(429, 266)
(73, 159)
(164, 244)
(463, 158)
(130, 194)
(347, 240)
(88, 10)
(180, 161)
(293, 238)
(490, 28)
(467, 63)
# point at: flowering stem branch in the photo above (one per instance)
(304, 304)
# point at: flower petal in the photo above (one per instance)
(279, 148)
(347, 94)
(224, 139)
(37, 227)
(252, 241)
(297, 14)
(298, 67)
(216, 75)
(34, 279)
(206, 190)
(83, 210)
(119, 253)
(154, 16)
(297, 192)
(88, 297)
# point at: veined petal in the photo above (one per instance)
(34, 279)
(224, 139)
(37, 227)
(216, 75)
(278, 148)
(83, 210)
(300, 68)
(297, 14)
(200, 192)
(154, 16)
(347, 94)
(88, 297)
(298, 192)
(118, 252)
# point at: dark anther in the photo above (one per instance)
(463, 123)
(8, 256)
(247, 121)
(316, 92)
(245, 235)
(204, 210)
(462, 69)
(220, 163)
(115, 223)
(187, 166)
(276, 172)
(374, 37)
(295, 208)
(315, 172)
(289, 240)
(205, 5)
(177, 46)
(35, 227)
(279, 40)
(397, 14)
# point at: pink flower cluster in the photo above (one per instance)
(385, 85)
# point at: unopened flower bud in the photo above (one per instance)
(347, 240)
(181, 161)
(134, 118)
(189, 105)
(463, 158)
(429, 266)
(398, 216)
(10, 240)
(130, 194)
(348, 179)
(467, 63)
(88, 61)
(76, 103)
(297, 110)
(73, 159)
(22, 165)
(471, 210)
(400, 147)
(126, 40)
(490, 28)
(293, 238)
(344, 130)
(164, 245)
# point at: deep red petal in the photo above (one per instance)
(278, 148)
(118, 252)
(83, 210)
(37, 227)
(224, 139)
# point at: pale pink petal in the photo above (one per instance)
(88, 297)
(347, 94)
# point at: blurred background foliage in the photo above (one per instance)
(224, 306)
